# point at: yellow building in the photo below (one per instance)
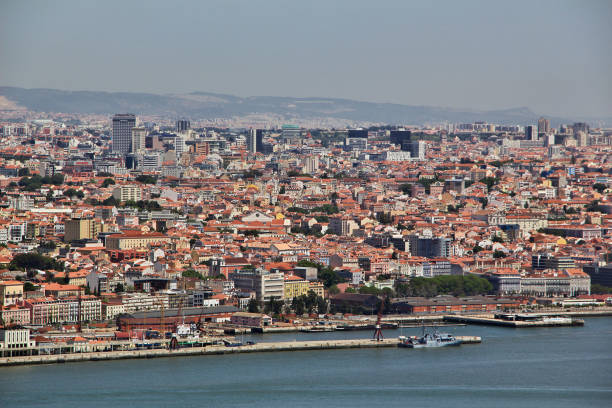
(10, 292)
(135, 240)
(317, 287)
(81, 228)
(295, 286)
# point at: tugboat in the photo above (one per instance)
(434, 339)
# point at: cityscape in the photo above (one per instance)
(286, 250)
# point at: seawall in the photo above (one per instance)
(210, 350)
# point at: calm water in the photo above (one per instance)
(554, 367)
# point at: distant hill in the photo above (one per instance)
(205, 105)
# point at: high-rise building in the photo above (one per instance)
(400, 136)
(311, 164)
(580, 127)
(417, 149)
(251, 141)
(259, 144)
(543, 126)
(530, 133)
(182, 125)
(179, 146)
(358, 133)
(123, 123)
(139, 135)
(81, 228)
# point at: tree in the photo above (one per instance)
(274, 306)
(190, 273)
(333, 290)
(477, 248)
(600, 187)
(36, 261)
(146, 179)
(297, 305)
(23, 172)
(253, 306)
(499, 254)
(28, 287)
(108, 182)
(119, 288)
(497, 238)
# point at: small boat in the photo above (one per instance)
(434, 339)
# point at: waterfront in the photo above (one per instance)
(544, 367)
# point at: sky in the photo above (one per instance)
(553, 56)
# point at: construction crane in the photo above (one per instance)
(378, 336)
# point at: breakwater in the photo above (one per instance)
(210, 350)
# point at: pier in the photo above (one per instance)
(210, 350)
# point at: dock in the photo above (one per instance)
(210, 350)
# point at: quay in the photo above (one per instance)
(209, 350)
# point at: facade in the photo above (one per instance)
(430, 247)
(11, 292)
(81, 228)
(139, 135)
(295, 286)
(49, 310)
(451, 304)
(128, 192)
(122, 132)
(250, 319)
(265, 285)
(15, 314)
(15, 337)
(135, 240)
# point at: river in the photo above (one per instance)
(539, 367)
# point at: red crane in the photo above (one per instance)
(378, 336)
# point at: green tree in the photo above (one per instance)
(600, 187)
(36, 261)
(23, 172)
(499, 254)
(146, 179)
(191, 273)
(253, 306)
(119, 288)
(108, 182)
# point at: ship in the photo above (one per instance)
(434, 339)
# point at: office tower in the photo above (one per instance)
(543, 126)
(139, 135)
(311, 164)
(417, 149)
(251, 141)
(357, 133)
(182, 125)
(259, 145)
(123, 123)
(179, 146)
(530, 133)
(400, 136)
(580, 127)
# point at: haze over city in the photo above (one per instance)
(550, 56)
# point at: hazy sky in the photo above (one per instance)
(552, 56)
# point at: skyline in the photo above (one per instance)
(324, 51)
